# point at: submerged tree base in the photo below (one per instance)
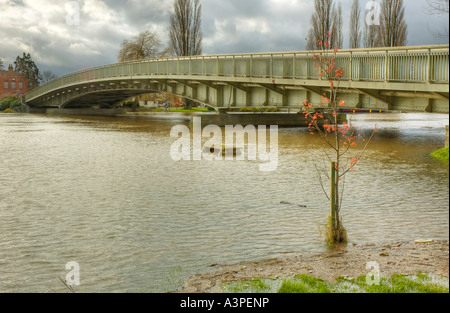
(334, 235)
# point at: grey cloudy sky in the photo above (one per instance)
(43, 28)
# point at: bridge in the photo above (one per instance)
(406, 79)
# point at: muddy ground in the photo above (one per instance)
(407, 258)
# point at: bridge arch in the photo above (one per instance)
(410, 79)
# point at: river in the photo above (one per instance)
(105, 193)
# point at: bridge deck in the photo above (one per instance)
(377, 78)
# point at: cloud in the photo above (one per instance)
(40, 27)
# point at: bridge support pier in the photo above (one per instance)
(38, 110)
(244, 119)
(86, 112)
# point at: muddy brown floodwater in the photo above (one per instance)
(105, 193)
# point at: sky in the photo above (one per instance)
(65, 36)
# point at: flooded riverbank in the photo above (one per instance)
(350, 262)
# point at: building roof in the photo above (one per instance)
(10, 73)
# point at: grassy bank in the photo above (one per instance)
(193, 110)
(442, 154)
(405, 267)
(420, 283)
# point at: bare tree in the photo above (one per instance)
(370, 38)
(321, 24)
(146, 45)
(326, 26)
(337, 38)
(439, 8)
(371, 25)
(310, 40)
(393, 29)
(355, 25)
(47, 76)
(185, 28)
(1, 64)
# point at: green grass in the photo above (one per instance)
(304, 284)
(193, 110)
(420, 283)
(441, 154)
(403, 284)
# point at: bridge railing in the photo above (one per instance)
(421, 64)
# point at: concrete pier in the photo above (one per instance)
(244, 119)
(86, 112)
(219, 119)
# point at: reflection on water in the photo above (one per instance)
(105, 193)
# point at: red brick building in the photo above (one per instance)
(11, 83)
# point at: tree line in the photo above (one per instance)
(384, 25)
(379, 24)
(185, 36)
(26, 67)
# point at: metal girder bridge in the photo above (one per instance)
(406, 79)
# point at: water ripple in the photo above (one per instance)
(107, 195)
